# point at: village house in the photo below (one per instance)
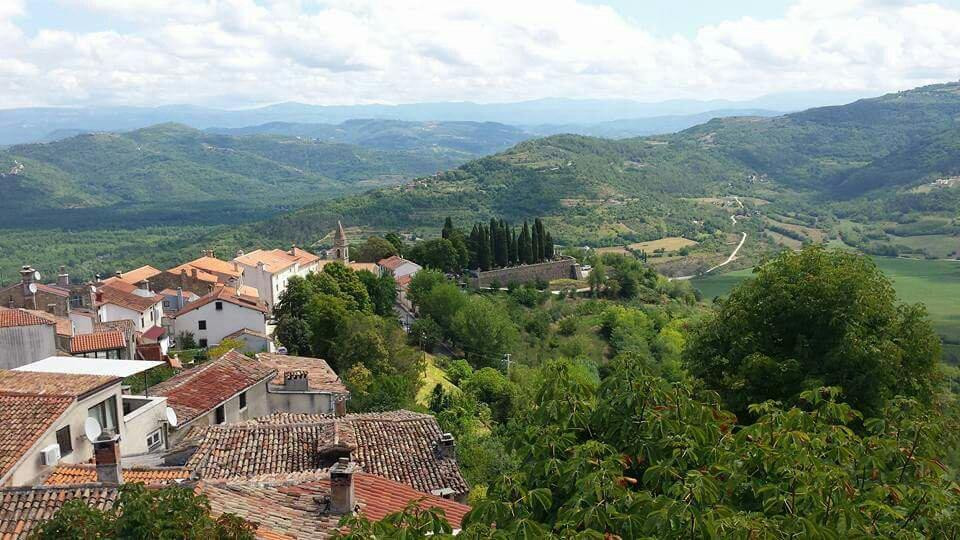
(30, 293)
(253, 341)
(63, 326)
(402, 271)
(269, 270)
(304, 385)
(219, 314)
(25, 338)
(227, 389)
(176, 299)
(403, 446)
(139, 276)
(43, 407)
(117, 300)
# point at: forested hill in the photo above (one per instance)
(176, 174)
(598, 190)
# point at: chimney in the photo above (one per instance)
(118, 274)
(26, 278)
(145, 285)
(179, 298)
(295, 381)
(239, 253)
(342, 499)
(106, 455)
(193, 273)
(63, 278)
(447, 446)
(340, 405)
(293, 249)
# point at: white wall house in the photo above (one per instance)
(59, 403)
(24, 338)
(398, 267)
(219, 314)
(269, 270)
(119, 301)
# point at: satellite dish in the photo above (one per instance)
(33, 288)
(36, 275)
(172, 417)
(92, 429)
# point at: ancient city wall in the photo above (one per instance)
(563, 268)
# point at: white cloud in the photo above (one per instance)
(350, 51)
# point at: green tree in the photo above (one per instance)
(414, 521)
(422, 283)
(491, 387)
(374, 249)
(484, 331)
(295, 334)
(812, 318)
(439, 254)
(396, 242)
(381, 290)
(426, 333)
(442, 304)
(525, 245)
(597, 279)
(139, 512)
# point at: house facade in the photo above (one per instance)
(219, 314)
(25, 338)
(269, 270)
(119, 301)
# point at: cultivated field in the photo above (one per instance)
(936, 284)
(670, 243)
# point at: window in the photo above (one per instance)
(151, 315)
(220, 415)
(166, 304)
(143, 323)
(154, 440)
(218, 305)
(203, 343)
(64, 441)
(105, 412)
(202, 325)
(243, 400)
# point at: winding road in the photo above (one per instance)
(730, 259)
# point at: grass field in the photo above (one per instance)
(936, 284)
(670, 243)
(433, 376)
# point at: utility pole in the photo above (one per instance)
(507, 361)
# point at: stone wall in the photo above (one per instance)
(563, 268)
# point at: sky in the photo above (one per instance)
(241, 53)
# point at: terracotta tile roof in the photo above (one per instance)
(186, 294)
(291, 507)
(155, 333)
(399, 445)
(392, 262)
(369, 267)
(87, 474)
(64, 324)
(150, 351)
(273, 260)
(53, 289)
(52, 384)
(320, 376)
(247, 332)
(139, 274)
(98, 341)
(20, 317)
(24, 419)
(197, 391)
(211, 265)
(126, 326)
(113, 293)
(225, 294)
(21, 509)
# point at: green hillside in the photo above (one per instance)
(172, 173)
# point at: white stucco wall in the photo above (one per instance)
(21, 345)
(142, 422)
(257, 405)
(143, 321)
(271, 285)
(219, 323)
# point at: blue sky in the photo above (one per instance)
(247, 52)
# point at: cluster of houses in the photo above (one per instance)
(262, 434)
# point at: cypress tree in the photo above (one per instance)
(503, 245)
(473, 247)
(485, 251)
(524, 246)
(538, 240)
(447, 228)
(512, 236)
(548, 248)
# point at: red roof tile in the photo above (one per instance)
(400, 445)
(155, 333)
(113, 293)
(24, 419)
(98, 341)
(320, 376)
(21, 509)
(52, 384)
(139, 274)
(225, 294)
(64, 324)
(291, 508)
(87, 474)
(20, 317)
(197, 391)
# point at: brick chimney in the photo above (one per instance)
(118, 274)
(106, 455)
(26, 278)
(63, 278)
(295, 381)
(340, 405)
(342, 498)
(447, 446)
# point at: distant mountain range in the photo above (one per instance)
(569, 115)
